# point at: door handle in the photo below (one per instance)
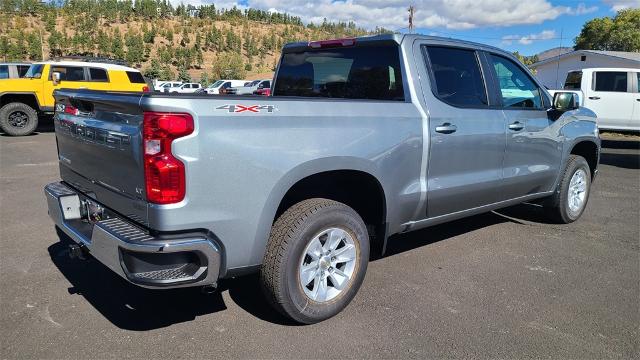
(516, 126)
(637, 99)
(594, 97)
(446, 128)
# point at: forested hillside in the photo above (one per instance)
(163, 41)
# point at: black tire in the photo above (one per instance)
(558, 209)
(290, 235)
(18, 119)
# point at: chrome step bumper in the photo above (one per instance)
(143, 259)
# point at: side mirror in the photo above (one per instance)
(565, 101)
(55, 77)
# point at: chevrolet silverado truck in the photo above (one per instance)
(363, 138)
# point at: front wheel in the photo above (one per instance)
(18, 119)
(569, 201)
(315, 261)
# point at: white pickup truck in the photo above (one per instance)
(612, 93)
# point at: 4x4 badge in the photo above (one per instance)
(237, 108)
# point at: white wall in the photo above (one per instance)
(546, 73)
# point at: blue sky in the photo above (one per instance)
(556, 32)
(527, 26)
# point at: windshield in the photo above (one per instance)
(166, 85)
(253, 83)
(34, 72)
(216, 84)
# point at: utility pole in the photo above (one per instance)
(411, 11)
(558, 65)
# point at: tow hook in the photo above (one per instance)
(78, 251)
(209, 289)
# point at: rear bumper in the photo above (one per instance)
(152, 261)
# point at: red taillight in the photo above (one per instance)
(332, 43)
(68, 109)
(164, 175)
(145, 89)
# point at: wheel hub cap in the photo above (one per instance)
(18, 119)
(328, 264)
(577, 191)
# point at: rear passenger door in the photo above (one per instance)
(466, 132)
(611, 98)
(533, 153)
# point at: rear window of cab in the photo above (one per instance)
(361, 72)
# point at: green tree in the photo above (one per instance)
(117, 48)
(153, 71)
(229, 66)
(622, 33)
(183, 75)
(34, 47)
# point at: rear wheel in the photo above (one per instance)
(18, 119)
(316, 260)
(568, 203)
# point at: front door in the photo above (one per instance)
(534, 147)
(71, 77)
(610, 97)
(466, 135)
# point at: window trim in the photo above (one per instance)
(97, 81)
(544, 100)
(594, 80)
(432, 77)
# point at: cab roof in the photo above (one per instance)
(106, 66)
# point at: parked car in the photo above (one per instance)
(167, 86)
(216, 87)
(160, 85)
(13, 70)
(22, 100)
(263, 92)
(361, 139)
(613, 94)
(186, 88)
(250, 88)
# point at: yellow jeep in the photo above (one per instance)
(23, 100)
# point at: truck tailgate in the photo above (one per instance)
(99, 138)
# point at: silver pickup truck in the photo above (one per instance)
(362, 139)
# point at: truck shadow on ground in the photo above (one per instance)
(134, 308)
(620, 159)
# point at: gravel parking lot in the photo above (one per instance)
(499, 285)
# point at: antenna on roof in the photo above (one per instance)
(411, 10)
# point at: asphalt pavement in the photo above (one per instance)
(500, 285)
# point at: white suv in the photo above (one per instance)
(186, 88)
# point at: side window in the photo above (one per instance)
(4, 72)
(613, 81)
(22, 69)
(574, 79)
(638, 82)
(68, 73)
(98, 75)
(135, 77)
(516, 87)
(266, 84)
(457, 78)
(226, 85)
